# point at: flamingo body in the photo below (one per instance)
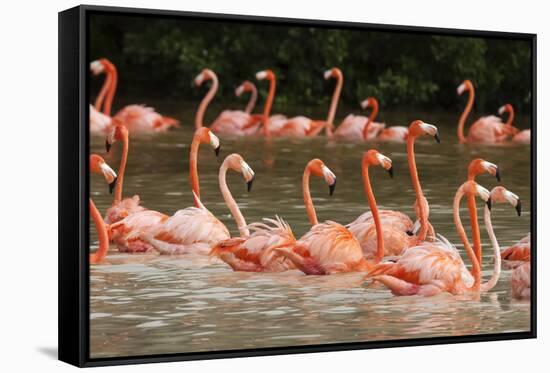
(353, 127)
(235, 122)
(522, 137)
(126, 233)
(121, 210)
(143, 119)
(100, 124)
(488, 130)
(521, 281)
(299, 126)
(394, 133)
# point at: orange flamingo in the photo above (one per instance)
(435, 267)
(128, 233)
(137, 118)
(299, 126)
(329, 247)
(256, 252)
(518, 253)
(359, 127)
(398, 226)
(121, 208)
(98, 166)
(520, 137)
(486, 130)
(229, 122)
(195, 229)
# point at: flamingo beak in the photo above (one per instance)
(390, 171)
(217, 151)
(489, 204)
(518, 207)
(497, 174)
(112, 185)
(107, 146)
(437, 138)
(249, 184)
(331, 188)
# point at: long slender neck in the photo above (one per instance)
(121, 170)
(199, 117)
(230, 201)
(193, 169)
(104, 89)
(417, 188)
(375, 215)
(476, 236)
(111, 94)
(496, 252)
(252, 100)
(308, 202)
(476, 270)
(268, 104)
(465, 113)
(102, 233)
(510, 121)
(372, 117)
(334, 104)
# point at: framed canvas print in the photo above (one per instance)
(238, 186)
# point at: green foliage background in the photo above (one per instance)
(160, 57)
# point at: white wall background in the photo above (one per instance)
(28, 183)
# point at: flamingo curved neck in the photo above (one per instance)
(252, 100)
(112, 72)
(475, 270)
(193, 169)
(121, 170)
(104, 89)
(230, 202)
(334, 104)
(510, 121)
(371, 119)
(102, 235)
(464, 116)
(476, 235)
(199, 117)
(268, 104)
(375, 214)
(496, 252)
(308, 202)
(417, 188)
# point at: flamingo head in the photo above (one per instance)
(501, 194)
(98, 166)
(205, 136)
(118, 133)
(97, 67)
(419, 128)
(318, 168)
(237, 163)
(374, 158)
(205, 74)
(265, 74)
(369, 102)
(246, 86)
(507, 108)
(333, 73)
(465, 86)
(479, 166)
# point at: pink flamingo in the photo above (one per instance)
(398, 226)
(137, 118)
(256, 252)
(393, 133)
(121, 208)
(520, 137)
(299, 126)
(521, 281)
(128, 233)
(486, 130)
(518, 253)
(230, 122)
(436, 267)
(98, 166)
(195, 229)
(359, 127)
(329, 247)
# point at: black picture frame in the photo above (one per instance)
(74, 189)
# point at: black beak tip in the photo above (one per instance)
(518, 207)
(497, 174)
(437, 138)
(112, 186)
(410, 233)
(107, 146)
(331, 188)
(489, 204)
(217, 151)
(249, 184)
(390, 171)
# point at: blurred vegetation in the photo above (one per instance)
(160, 57)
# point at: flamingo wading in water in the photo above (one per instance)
(98, 166)
(519, 137)
(137, 118)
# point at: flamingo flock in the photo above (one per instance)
(404, 254)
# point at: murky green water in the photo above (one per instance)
(143, 304)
